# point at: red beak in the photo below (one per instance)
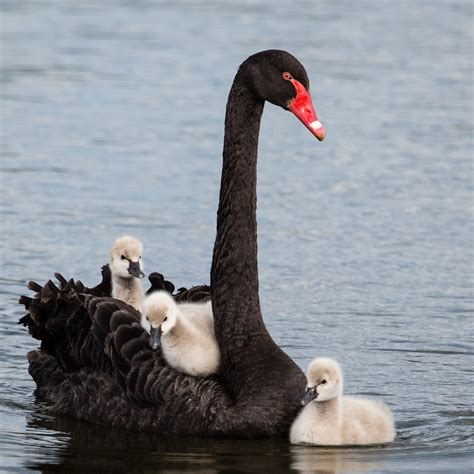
(303, 108)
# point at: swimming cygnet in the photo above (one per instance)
(185, 333)
(332, 419)
(127, 270)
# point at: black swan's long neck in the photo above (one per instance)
(234, 272)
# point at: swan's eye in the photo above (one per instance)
(323, 381)
(122, 257)
(165, 319)
(287, 76)
(139, 257)
(147, 318)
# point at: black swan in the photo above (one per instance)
(95, 363)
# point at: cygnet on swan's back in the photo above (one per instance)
(187, 338)
(126, 268)
(332, 419)
(200, 314)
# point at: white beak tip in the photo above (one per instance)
(316, 125)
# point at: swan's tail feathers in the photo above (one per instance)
(158, 283)
(39, 308)
(50, 299)
(104, 288)
(33, 286)
(52, 318)
(196, 294)
(78, 330)
(61, 279)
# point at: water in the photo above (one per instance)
(112, 122)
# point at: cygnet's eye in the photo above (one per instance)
(323, 381)
(122, 257)
(287, 76)
(147, 318)
(139, 257)
(165, 319)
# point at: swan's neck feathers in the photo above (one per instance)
(129, 290)
(234, 273)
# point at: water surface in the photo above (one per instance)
(112, 122)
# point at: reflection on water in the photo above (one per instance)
(112, 123)
(81, 446)
(89, 444)
(306, 460)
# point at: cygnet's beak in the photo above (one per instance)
(135, 270)
(155, 337)
(310, 395)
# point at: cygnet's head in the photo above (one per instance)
(162, 313)
(126, 258)
(324, 380)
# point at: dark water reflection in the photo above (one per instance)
(91, 448)
(112, 122)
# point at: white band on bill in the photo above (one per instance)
(315, 125)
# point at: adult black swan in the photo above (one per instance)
(95, 363)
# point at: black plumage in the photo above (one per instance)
(95, 363)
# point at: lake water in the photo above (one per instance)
(112, 122)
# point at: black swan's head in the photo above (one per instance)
(278, 77)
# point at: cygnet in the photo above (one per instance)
(126, 268)
(329, 418)
(185, 333)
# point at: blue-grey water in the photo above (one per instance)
(112, 122)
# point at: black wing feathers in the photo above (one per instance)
(95, 364)
(158, 283)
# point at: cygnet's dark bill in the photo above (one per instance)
(155, 337)
(310, 395)
(135, 270)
